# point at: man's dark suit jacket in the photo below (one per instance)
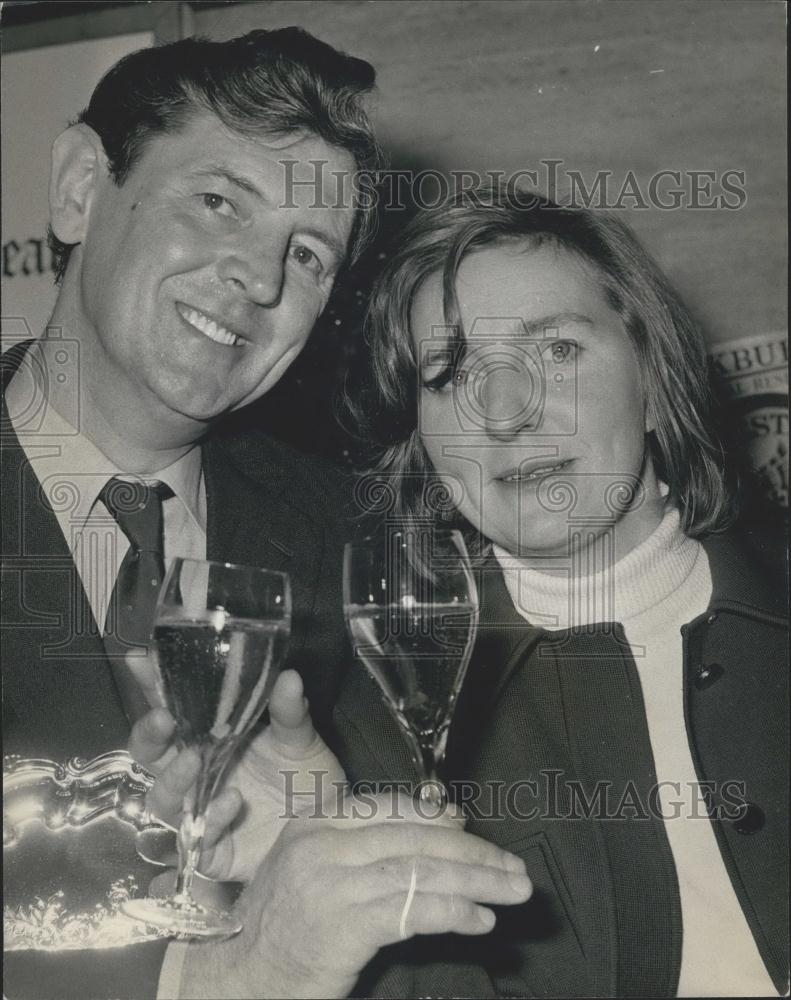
(267, 506)
(559, 707)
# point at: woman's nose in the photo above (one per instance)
(512, 397)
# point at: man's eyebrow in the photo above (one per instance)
(336, 247)
(241, 182)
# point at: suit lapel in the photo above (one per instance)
(250, 521)
(246, 522)
(59, 696)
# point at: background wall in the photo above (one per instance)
(632, 87)
(28, 289)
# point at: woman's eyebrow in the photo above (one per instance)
(553, 322)
(439, 356)
(517, 327)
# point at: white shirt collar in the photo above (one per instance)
(72, 470)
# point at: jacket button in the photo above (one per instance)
(751, 821)
(707, 674)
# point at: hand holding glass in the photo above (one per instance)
(220, 636)
(412, 609)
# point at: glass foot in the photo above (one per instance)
(183, 920)
(432, 792)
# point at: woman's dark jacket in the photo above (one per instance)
(564, 711)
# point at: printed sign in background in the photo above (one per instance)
(751, 378)
(43, 90)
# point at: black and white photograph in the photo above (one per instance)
(394, 499)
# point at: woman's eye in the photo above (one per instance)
(445, 381)
(305, 257)
(217, 204)
(562, 351)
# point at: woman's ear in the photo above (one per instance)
(650, 420)
(79, 164)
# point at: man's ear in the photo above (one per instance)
(79, 165)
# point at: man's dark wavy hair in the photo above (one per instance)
(265, 82)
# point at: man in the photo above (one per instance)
(185, 293)
(199, 214)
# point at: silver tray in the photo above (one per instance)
(77, 842)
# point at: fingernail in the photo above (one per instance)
(513, 863)
(486, 918)
(521, 884)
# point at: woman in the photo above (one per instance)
(622, 719)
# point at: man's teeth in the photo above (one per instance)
(544, 470)
(212, 330)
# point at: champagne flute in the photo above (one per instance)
(411, 608)
(220, 636)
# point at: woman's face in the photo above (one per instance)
(540, 429)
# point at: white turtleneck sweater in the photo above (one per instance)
(659, 586)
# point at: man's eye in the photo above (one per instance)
(217, 204)
(306, 258)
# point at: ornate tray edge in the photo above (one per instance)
(71, 795)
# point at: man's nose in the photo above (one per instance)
(512, 400)
(258, 268)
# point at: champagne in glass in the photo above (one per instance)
(220, 636)
(412, 610)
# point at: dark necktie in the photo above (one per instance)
(137, 508)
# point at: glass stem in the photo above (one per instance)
(432, 790)
(190, 843)
(193, 821)
(427, 757)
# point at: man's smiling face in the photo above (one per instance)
(197, 287)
